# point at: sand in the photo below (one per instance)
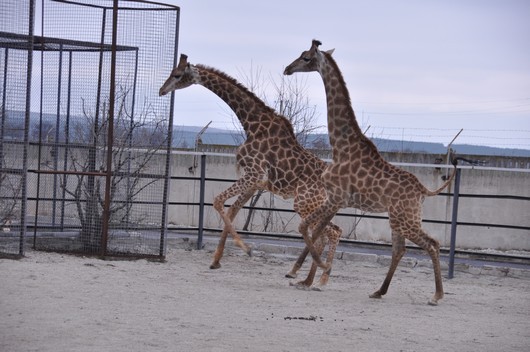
(57, 302)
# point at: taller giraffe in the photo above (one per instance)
(359, 177)
(270, 159)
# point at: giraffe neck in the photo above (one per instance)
(344, 131)
(245, 104)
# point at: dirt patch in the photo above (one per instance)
(55, 302)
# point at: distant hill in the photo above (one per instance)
(184, 137)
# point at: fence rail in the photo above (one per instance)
(203, 180)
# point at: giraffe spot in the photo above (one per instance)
(360, 184)
(362, 173)
(355, 166)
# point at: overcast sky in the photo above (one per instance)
(415, 69)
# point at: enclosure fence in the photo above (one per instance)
(455, 223)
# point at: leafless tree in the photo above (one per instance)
(137, 139)
(10, 195)
(10, 182)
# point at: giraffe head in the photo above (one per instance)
(309, 61)
(182, 76)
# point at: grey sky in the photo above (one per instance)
(415, 69)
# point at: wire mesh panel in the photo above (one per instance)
(16, 38)
(102, 174)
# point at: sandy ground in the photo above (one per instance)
(55, 302)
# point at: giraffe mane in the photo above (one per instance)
(250, 94)
(346, 93)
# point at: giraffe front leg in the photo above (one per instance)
(234, 209)
(309, 242)
(227, 219)
(306, 284)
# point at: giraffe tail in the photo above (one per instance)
(430, 193)
(454, 161)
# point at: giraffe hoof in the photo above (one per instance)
(317, 288)
(376, 295)
(432, 302)
(326, 267)
(215, 266)
(299, 285)
(248, 251)
(290, 276)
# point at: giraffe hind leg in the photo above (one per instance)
(433, 248)
(322, 218)
(333, 233)
(398, 250)
(298, 264)
(332, 236)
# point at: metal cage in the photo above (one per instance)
(98, 131)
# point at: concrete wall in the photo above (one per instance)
(473, 210)
(222, 166)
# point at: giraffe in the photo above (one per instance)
(359, 177)
(270, 159)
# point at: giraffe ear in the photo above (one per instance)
(330, 51)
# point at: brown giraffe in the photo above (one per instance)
(359, 177)
(270, 159)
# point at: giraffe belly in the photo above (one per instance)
(284, 192)
(366, 203)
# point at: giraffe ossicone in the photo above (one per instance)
(359, 177)
(270, 159)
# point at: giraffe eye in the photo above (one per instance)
(306, 59)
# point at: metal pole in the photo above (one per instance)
(201, 200)
(110, 134)
(55, 146)
(168, 152)
(454, 224)
(24, 189)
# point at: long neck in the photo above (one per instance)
(344, 131)
(243, 102)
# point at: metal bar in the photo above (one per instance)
(3, 108)
(58, 172)
(167, 171)
(110, 133)
(24, 191)
(201, 201)
(454, 225)
(67, 135)
(40, 145)
(55, 148)
(130, 136)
